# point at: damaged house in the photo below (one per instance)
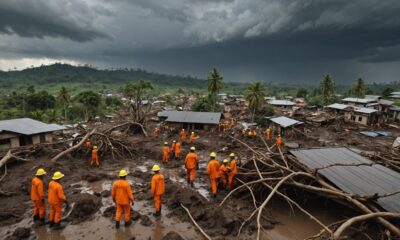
(352, 114)
(24, 132)
(284, 125)
(191, 120)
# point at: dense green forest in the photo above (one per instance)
(65, 93)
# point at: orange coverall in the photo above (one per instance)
(213, 172)
(183, 136)
(233, 122)
(95, 158)
(55, 198)
(178, 150)
(191, 161)
(37, 196)
(157, 188)
(122, 195)
(223, 171)
(268, 134)
(192, 137)
(279, 142)
(232, 172)
(165, 154)
(173, 146)
(88, 144)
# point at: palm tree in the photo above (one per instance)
(359, 88)
(328, 89)
(255, 96)
(134, 92)
(215, 84)
(65, 100)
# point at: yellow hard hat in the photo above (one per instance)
(123, 173)
(40, 172)
(95, 147)
(213, 154)
(192, 148)
(174, 141)
(156, 168)
(57, 175)
(231, 155)
(183, 129)
(192, 132)
(225, 161)
(165, 143)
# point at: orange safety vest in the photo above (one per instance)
(37, 189)
(213, 169)
(191, 160)
(157, 184)
(55, 193)
(122, 192)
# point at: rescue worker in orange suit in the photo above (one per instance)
(191, 163)
(55, 198)
(213, 172)
(95, 157)
(157, 188)
(192, 137)
(156, 132)
(279, 141)
(177, 150)
(122, 196)
(37, 196)
(183, 135)
(88, 151)
(233, 122)
(165, 153)
(223, 173)
(268, 133)
(232, 170)
(173, 145)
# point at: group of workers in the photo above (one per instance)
(252, 133)
(174, 151)
(225, 125)
(221, 174)
(55, 199)
(92, 153)
(121, 194)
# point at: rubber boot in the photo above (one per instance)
(214, 195)
(58, 226)
(157, 214)
(192, 184)
(128, 223)
(42, 222)
(35, 218)
(116, 224)
(51, 224)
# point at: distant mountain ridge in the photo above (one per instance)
(65, 73)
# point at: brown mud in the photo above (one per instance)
(92, 211)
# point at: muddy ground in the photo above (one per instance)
(88, 191)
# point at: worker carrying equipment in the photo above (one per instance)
(157, 188)
(213, 172)
(232, 170)
(191, 163)
(183, 135)
(177, 150)
(55, 197)
(37, 196)
(95, 157)
(165, 152)
(223, 173)
(279, 141)
(122, 196)
(192, 137)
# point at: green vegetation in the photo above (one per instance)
(215, 84)
(328, 89)
(254, 95)
(359, 88)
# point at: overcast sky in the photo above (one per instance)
(293, 41)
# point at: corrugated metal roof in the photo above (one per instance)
(365, 110)
(385, 102)
(281, 102)
(359, 100)
(394, 96)
(338, 106)
(285, 122)
(28, 126)
(192, 117)
(362, 180)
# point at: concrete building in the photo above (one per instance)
(24, 132)
(191, 120)
(359, 102)
(353, 114)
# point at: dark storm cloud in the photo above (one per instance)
(271, 40)
(41, 18)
